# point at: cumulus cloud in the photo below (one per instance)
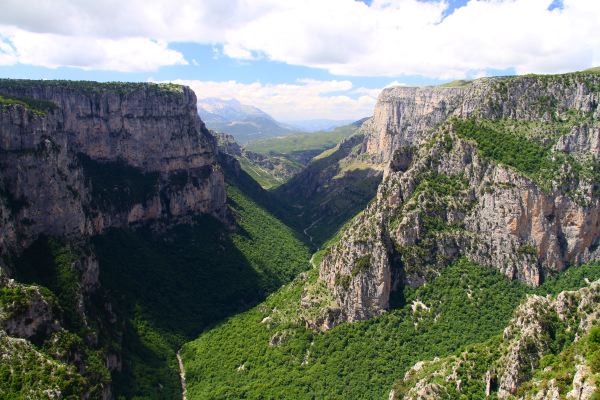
(345, 37)
(53, 50)
(305, 99)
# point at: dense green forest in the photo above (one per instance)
(465, 304)
(172, 285)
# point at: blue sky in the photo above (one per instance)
(296, 60)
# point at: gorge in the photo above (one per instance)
(456, 232)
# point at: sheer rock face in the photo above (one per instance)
(493, 215)
(147, 130)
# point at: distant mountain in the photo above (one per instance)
(246, 123)
(314, 125)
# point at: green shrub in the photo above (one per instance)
(361, 265)
(38, 107)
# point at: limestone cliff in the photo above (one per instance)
(406, 115)
(101, 155)
(503, 171)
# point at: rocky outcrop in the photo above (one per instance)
(27, 313)
(103, 155)
(583, 140)
(451, 188)
(539, 327)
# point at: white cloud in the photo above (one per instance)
(52, 50)
(346, 37)
(7, 53)
(305, 99)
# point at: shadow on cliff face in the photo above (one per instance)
(168, 287)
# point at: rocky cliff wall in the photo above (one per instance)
(503, 171)
(78, 158)
(101, 155)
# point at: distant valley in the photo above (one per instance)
(247, 123)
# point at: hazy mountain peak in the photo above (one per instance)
(245, 122)
(230, 108)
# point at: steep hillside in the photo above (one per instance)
(335, 186)
(504, 171)
(550, 349)
(272, 352)
(317, 198)
(193, 277)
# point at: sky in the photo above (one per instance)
(296, 59)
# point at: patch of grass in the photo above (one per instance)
(38, 107)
